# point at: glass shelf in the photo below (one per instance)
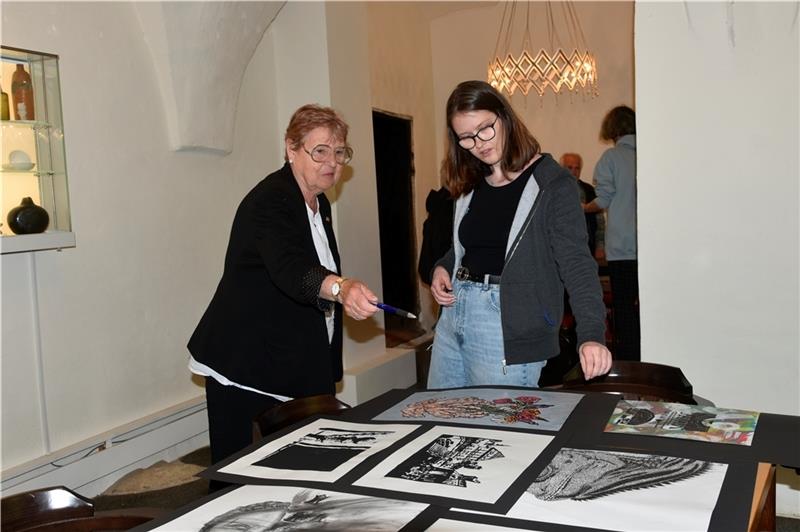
(29, 124)
(40, 141)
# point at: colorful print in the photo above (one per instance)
(691, 422)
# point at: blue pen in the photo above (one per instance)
(394, 310)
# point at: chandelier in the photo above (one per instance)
(571, 67)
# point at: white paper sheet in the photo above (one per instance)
(292, 456)
(623, 491)
(460, 463)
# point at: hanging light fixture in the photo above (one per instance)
(571, 67)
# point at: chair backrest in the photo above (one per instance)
(290, 412)
(46, 505)
(643, 381)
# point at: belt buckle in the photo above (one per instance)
(462, 274)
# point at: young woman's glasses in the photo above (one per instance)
(322, 153)
(485, 133)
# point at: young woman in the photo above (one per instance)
(519, 239)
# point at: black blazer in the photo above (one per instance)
(265, 326)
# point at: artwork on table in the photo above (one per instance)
(623, 491)
(323, 451)
(691, 422)
(488, 407)
(283, 508)
(465, 464)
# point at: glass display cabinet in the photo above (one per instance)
(33, 166)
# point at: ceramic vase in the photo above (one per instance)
(28, 218)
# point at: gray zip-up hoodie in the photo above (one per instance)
(547, 251)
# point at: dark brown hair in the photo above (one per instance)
(308, 118)
(460, 169)
(619, 121)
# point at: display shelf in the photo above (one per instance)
(33, 134)
(38, 242)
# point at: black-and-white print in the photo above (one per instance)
(322, 450)
(584, 474)
(466, 465)
(441, 461)
(623, 491)
(283, 508)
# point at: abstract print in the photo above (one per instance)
(691, 422)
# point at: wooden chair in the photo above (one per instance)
(641, 381)
(290, 412)
(60, 509)
(47, 505)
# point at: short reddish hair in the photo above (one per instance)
(311, 116)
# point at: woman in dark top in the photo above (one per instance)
(519, 239)
(273, 330)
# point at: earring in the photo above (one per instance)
(291, 161)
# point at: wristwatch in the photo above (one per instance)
(336, 288)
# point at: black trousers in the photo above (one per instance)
(624, 276)
(230, 419)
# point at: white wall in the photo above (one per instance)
(94, 337)
(401, 80)
(463, 42)
(718, 191)
(718, 136)
(149, 222)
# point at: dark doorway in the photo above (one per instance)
(394, 173)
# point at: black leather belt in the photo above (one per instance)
(462, 274)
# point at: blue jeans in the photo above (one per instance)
(468, 345)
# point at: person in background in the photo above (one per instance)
(519, 239)
(615, 184)
(273, 330)
(595, 222)
(437, 232)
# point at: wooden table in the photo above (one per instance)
(762, 511)
(584, 430)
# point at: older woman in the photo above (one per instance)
(519, 239)
(273, 329)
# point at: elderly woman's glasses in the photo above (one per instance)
(485, 133)
(322, 153)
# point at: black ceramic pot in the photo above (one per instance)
(27, 218)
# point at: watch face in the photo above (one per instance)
(336, 288)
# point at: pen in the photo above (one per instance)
(394, 310)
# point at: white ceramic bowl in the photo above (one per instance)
(19, 157)
(18, 167)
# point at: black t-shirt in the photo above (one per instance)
(485, 227)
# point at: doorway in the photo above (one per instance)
(394, 174)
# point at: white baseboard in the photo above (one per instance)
(93, 465)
